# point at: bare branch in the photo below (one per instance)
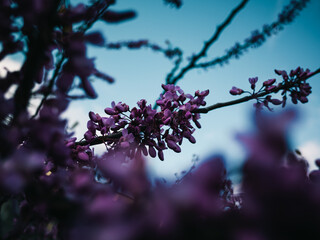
(209, 43)
(170, 52)
(87, 25)
(50, 86)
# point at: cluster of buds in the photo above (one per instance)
(293, 84)
(144, 130)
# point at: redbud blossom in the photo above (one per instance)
(236, 91)
(269, 82)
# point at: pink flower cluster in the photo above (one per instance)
(145, 130)
(293, 84)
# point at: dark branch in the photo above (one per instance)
(224, 58)
(169, 51)
(87, 25)
(208, 44)
(50, 86)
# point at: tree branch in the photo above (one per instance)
(87, 25)
(208, 44)
(50, 86)
(169, 52)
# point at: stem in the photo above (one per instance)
(174, 69)
(223, 59)
(50, 86)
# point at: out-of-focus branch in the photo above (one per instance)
(87, 25)
(225, 58)
(257, 37)
(50, 86)
(169, 52)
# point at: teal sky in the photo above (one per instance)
(140, 73)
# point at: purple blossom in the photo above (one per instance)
(236, 91)
(95, 38)
(142, 128)
(269, 82)
(294, 85)
(253, 82)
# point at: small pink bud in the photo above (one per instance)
(235, 91)
(110, 111)
(269, 82)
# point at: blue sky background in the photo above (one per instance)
(140, 73)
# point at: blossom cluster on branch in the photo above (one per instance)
(293, 84)
(143, 129)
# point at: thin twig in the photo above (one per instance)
(86, 26)
(50, 86)
(209, 43)
(223, 59)
(174, 69)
